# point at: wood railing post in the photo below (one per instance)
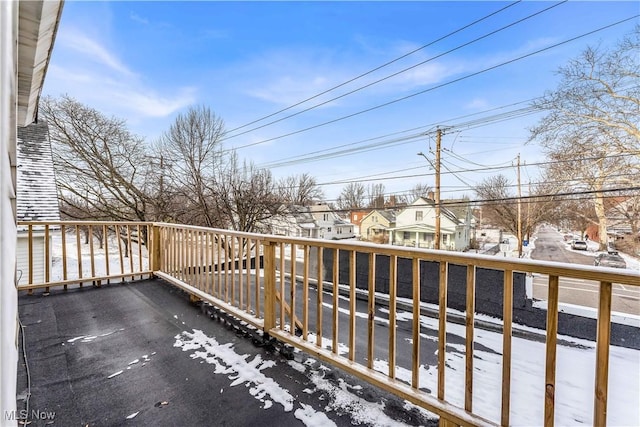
(269, 286)
(155, 249)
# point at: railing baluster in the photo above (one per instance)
(232, 270)
(507, 318)
(47, 257)
(269, 286)
(199, 261)
(352, 305)
(305, 294)
(336, 300)
(241, 242)
(30, 249)
(130, 247)
(219, 265)
(469, 340)
(120, 256)
(79, 252)
(91, 253)
(209, 262)
(105, 241)
(415, 365)
(550, 364)
(139, 239)
(257, 276)
(281, 287)
(319, 292)
(227, 268)
(372, 310)
(63, 235)
(442, 328)
(248, 273)
(292, 287)
(603, 338)
(393, 286)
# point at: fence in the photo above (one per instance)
(282, 285)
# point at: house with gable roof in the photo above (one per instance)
(415, 226)
(376, 224)
(36, 198)
(293, 221)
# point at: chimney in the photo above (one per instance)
(430, 195)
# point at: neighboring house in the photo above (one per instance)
(27, 35)
(415, 226)
(292, 221)
(330, 225)
(465, 230)
(37, 198)
(376, 224)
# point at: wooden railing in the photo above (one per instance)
(293, 289)
(80, 252)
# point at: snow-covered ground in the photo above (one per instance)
(574, 381)
(100, 257)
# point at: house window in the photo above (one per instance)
(328, 229)
(459, 234)
(339, 231)
(418, 215)
(375, 218)
(407, 235)
(355, 217)
(326, 218)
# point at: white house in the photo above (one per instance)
(415, 226)
(293, 221)
(330, 225)
(27, 34)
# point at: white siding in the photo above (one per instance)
(8, 126)
(22, 263)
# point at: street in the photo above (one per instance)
(550, 246)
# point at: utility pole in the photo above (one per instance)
(519, 212)
(436, 166)
(437, 196)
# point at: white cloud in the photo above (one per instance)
(93, 50)
(139, 19)
(100, 79)
(476, 104)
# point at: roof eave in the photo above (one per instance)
(37, 28)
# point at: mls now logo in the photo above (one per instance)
(24, 414)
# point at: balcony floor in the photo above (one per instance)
(110, 356)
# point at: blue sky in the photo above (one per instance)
(148, 61)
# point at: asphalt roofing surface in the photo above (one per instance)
(112, 356)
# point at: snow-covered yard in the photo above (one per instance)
(100, 257)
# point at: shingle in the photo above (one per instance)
(37, 198)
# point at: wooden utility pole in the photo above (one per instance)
(437, 201)
(519, 212)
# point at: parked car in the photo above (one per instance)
(610, 259)
(579, 245)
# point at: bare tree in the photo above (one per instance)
(245, 196)
(498, 207)
(591, 126)
(189, 153)
(300, 190)
(352, 196)
(421, 190)
(375, 196)
(101, 167)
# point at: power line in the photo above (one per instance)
(404, 70)
(450, 82)
(427, 126)
(508, 115)
(548, 162)
(375, 69)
